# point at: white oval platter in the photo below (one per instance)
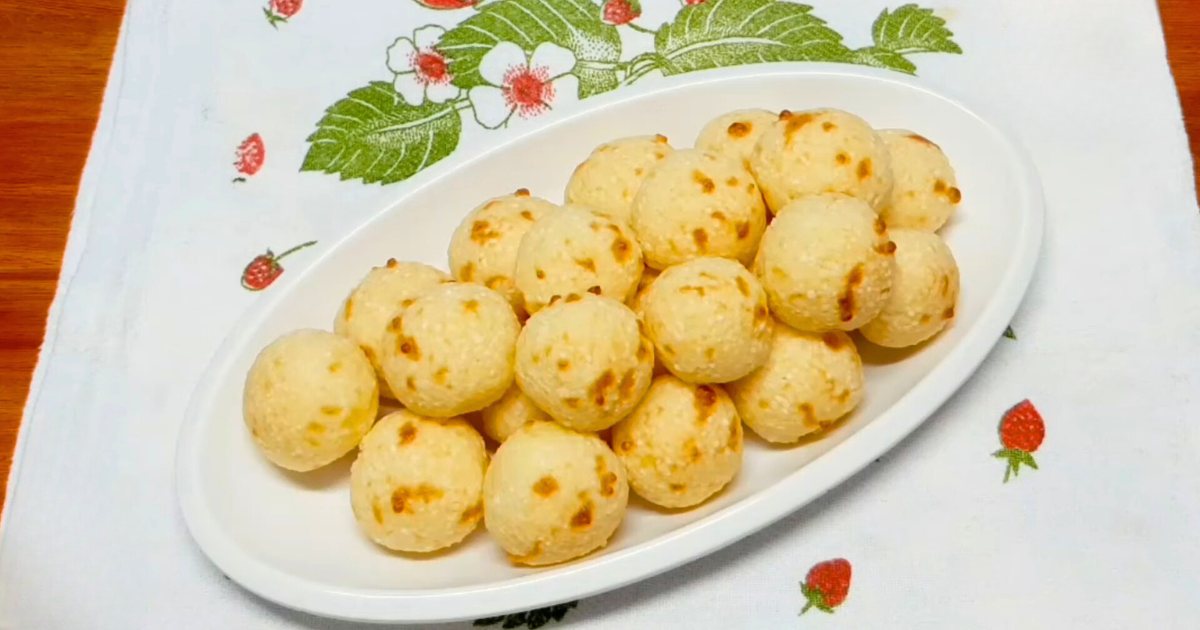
(292, 538)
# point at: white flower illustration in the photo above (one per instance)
(526, 85)
(421, 71)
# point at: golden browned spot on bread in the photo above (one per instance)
(403, 497)
(330, 410)
(658, 155)
(467, 273)
(746, 163)
(828, 126)
(761, 313)
(743, 229)
(482, 232)
(595, 290)
(668, 350)
(691, 288)
(541, 275)
(625, 387)
(410, 383)
(677, 487)
(841, 158)
(784, 114)
(887, 249)
(527, 215)
(335, 367)
(495, 282)
(948, 313)
(315, 428)
(471, 514)
(719, 216)
(587, 264)
(546, 486)
(625, 446)
(939, 186)
(572, 402)
(710, 353)
(701, 238)
(692, 451)
(705, 402)
(925, 318)
(763, 404)
(638, 171)
(349, 310)
(409, 348)
(441, 375)
(846, 299)
(732, 182)
(643, 351)
(377, 512)
(751, 188)
(833, 340)
(600, 387)
(407, 433)
(391, 263)
(880, 226)
(922, 139)
(738, 129)
(735, 435)
(471, 306)
(621, 249)
(407, 302)
(945, 285)
(396, 325)
(743, 286)
(842, 396)
(582, 519)
(608, 480)
(954, 195)
(522, 192)
(659, 138)
(529, 557)
(572, 297)
(564, 365)
(806, 411)
(864, 168)
(795, 122)
(706, 183)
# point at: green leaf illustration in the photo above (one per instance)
(531, 619)
(572, 24)
(872, 56)
(373, 135)
(723, 33)
(911, 29)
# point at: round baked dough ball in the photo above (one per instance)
(552, 494)
(584, 361)
(826, 263)
(451, 351)
(515, 410)
(417, 484)
(682, 444)
(696, 203)
(484, 247)
(818, 151)
(809, 381)
(708, 320)
(309, 398)
(734, 134)
(576, 251)
(383, 293)
(607, 181)
(925, 191)
(924, 291)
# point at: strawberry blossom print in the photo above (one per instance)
(826, 585)
(524, 85)
(280, 11)
(265, 268)
(421, 72)
(250, 155)
(621, 12)
(1021, 433)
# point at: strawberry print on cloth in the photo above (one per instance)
(280, 11)
(1021, 433)
(250, 155)
(826, 585)
(265, 268)
(510, 60)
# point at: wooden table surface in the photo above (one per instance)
(54, 58)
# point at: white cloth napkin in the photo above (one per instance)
(1102, 535)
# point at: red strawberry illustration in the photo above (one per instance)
(280, 10)
(1021, 433)
(265, 268)
(826, 585)
(447, 5)
(693, 2)
(250, 156)
(618, 12)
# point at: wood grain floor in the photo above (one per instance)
(54, 58)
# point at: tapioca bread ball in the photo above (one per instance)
(552, 494)
(379, 297)
(417, 484)
(708, 320)
(696, 203)
(503, 417)
(734, 134)
(609, 179)
(826, 263)
(584, 361)
(682, 443)
(309, 398)
(925, 190)
(924, 291)
(484, 247)
(821, 151)
(576, 251)
(451, 351)
(809, 381)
